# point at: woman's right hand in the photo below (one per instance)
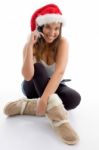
(34, 37)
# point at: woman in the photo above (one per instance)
(45, 58)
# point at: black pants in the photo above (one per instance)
(35, 87)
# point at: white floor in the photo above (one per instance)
(28, 132)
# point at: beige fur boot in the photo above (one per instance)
(59, 120)
(21, 107)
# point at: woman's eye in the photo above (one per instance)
(47, 27)
(57, 29)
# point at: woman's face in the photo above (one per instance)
(51, 32)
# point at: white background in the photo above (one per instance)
(82, 31)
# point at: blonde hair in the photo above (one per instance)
(41, 46)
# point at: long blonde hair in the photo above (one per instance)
(41, 45)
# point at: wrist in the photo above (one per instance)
(44, 98)
(30, 44)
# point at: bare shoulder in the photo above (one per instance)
(63, 42)
(62, 54)
(63, 46)
(62, 51)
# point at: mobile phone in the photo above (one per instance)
(40, 28)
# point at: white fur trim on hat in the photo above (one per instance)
(49, 18)
(53, 101)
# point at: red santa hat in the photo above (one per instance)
(47, 14)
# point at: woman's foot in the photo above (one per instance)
(58, 116)
(21, 107)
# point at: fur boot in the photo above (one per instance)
(55, 112)
(58, 117)
(21, 107)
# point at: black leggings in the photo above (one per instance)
(35, 87)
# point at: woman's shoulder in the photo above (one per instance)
(62, 51)
(63, 40)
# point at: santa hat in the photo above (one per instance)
(47, 14)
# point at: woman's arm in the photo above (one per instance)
(28, 67)
(61, 62)
(28, 63)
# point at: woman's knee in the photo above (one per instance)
(75, 100)
(25, 88)
(28, 89)
(71, 98)
(39, 69)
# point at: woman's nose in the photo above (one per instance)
(52, 32)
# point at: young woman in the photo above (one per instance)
(45, 58)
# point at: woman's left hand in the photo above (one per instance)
(41, 107)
